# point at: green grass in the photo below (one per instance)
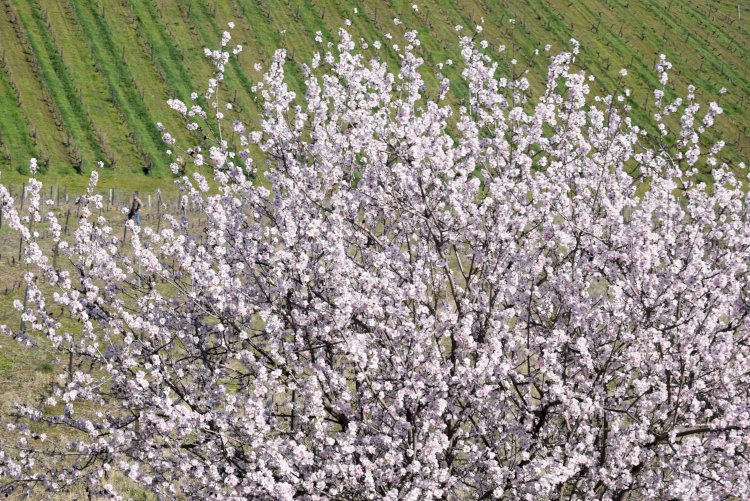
(108, 121)
(164, 51)
(55, 83)
(13, 133)
(6, 366)
(109, 66)
(59, 80)
(122, 85)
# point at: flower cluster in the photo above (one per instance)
(522, 296)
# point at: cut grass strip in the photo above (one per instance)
(14, 134)
(164, 52)
(50, 82)
(122, 85)
(63, 85)
(108, 121)
(203, 18)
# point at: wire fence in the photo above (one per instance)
(115, 206)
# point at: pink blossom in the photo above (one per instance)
(415, 298)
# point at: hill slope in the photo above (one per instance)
(82, 81)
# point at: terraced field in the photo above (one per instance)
(82, 81)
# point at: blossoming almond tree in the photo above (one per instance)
(524, 296)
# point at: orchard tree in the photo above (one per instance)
(514, 295)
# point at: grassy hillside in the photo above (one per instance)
(82, 80)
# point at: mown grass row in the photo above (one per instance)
(142, 52)
(25, 75)
(15, 141)
(123, 88)
(167, 77)
(73, 128)
(110, 127)
(66, 94)
(204, 20)
(165, 53)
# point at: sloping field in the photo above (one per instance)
(82, 81)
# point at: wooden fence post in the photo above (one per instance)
(158, 210)
(22, 325)
(67, 217)
(55, 253)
